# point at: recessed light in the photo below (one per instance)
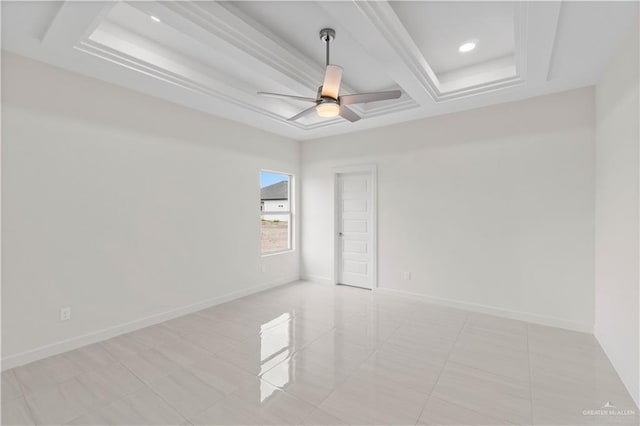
(467, 46)
(153, 18)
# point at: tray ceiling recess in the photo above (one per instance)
(214, 56)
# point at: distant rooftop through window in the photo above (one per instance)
(269, 178)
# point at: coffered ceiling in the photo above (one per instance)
(215, 56)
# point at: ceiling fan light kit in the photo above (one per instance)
(328, 109)
(328, 102)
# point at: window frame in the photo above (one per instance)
(290, 212)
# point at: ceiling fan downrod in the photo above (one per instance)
(327, 35)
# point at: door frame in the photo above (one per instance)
(372, 170)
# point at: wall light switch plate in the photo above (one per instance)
(65, 314)
(407, 276)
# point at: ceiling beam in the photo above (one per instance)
(74, 21)
(369, 25)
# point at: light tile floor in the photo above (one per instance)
(313, 354)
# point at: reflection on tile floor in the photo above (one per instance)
(314, 354)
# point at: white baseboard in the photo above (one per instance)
(317, 279)
(56, 348)
(492, 310)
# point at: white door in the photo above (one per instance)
(355, 232)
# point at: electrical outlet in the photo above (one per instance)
(263, 268)
(407, 276)
(65, 314)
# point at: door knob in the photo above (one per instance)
(340, 234)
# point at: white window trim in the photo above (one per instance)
(289, 212)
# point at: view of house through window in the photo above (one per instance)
(275, 209)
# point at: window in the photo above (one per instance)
(275, 212)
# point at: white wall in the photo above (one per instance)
(617, 214)
(111, 206)
(490, 209)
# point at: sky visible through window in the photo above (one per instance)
(267, 178)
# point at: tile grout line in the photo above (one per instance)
(169, 404)
(360, 366)
(54, 385)
(317, 406)
(494, 373)
(491, 373)
(257, 376)
(23, 395)
(424, 406)
(120, 397)
(378, 346)
(146, 385)
(293, 352)
(332, 329)
(387, 311)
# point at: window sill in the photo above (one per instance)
(275, 253)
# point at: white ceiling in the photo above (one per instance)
(429, 24)
(214, 56)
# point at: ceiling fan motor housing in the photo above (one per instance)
(328, 100)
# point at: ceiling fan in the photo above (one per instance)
(328, 102)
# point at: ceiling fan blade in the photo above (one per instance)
(303, 113)
(295, 98)
(359, 98)
(347, 114)
(332, 79)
